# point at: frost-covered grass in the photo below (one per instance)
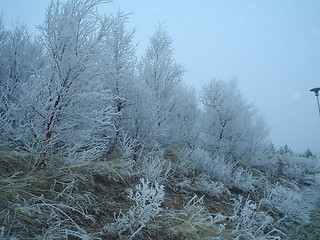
(42, 204)
(194, 221)
(64, 196)
(310, 230)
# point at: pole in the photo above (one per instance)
(316, 92)
(317, 96)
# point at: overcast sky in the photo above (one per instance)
(271, 46)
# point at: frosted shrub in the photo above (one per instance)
(126, 146)
(221, 170)
(199, 161)
(243, 213)
(293, 171)
(205, 184)
(249, 222)
(295, 167)
(154, 168)
(147, 200)
(123, 166)
(243, 179)
(117, 166)
(284, 199)
(312, 165)
(266, 163)
(290, 166)
(192, 160)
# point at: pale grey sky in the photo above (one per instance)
(271, 46)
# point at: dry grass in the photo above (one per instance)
(78, 201)
(55, 203)
(193, 221)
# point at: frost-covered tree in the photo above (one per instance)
(3, 55)
(231, 126)
(308, 154)
(139, 124)
(168, 111)
(20, 54)
(21, 63)
(285, 150)
(79, 107)
(119, 63)
(183, 128)
(66, 107)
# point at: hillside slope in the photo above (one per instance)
(107, 199)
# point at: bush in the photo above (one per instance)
(147, 200)
(197, 161)
(243, 179)
(250, 223)
(204, 184)
(154, 168)
(285, 200)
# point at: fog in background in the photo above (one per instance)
(272, 47)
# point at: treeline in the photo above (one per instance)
(79, 87)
